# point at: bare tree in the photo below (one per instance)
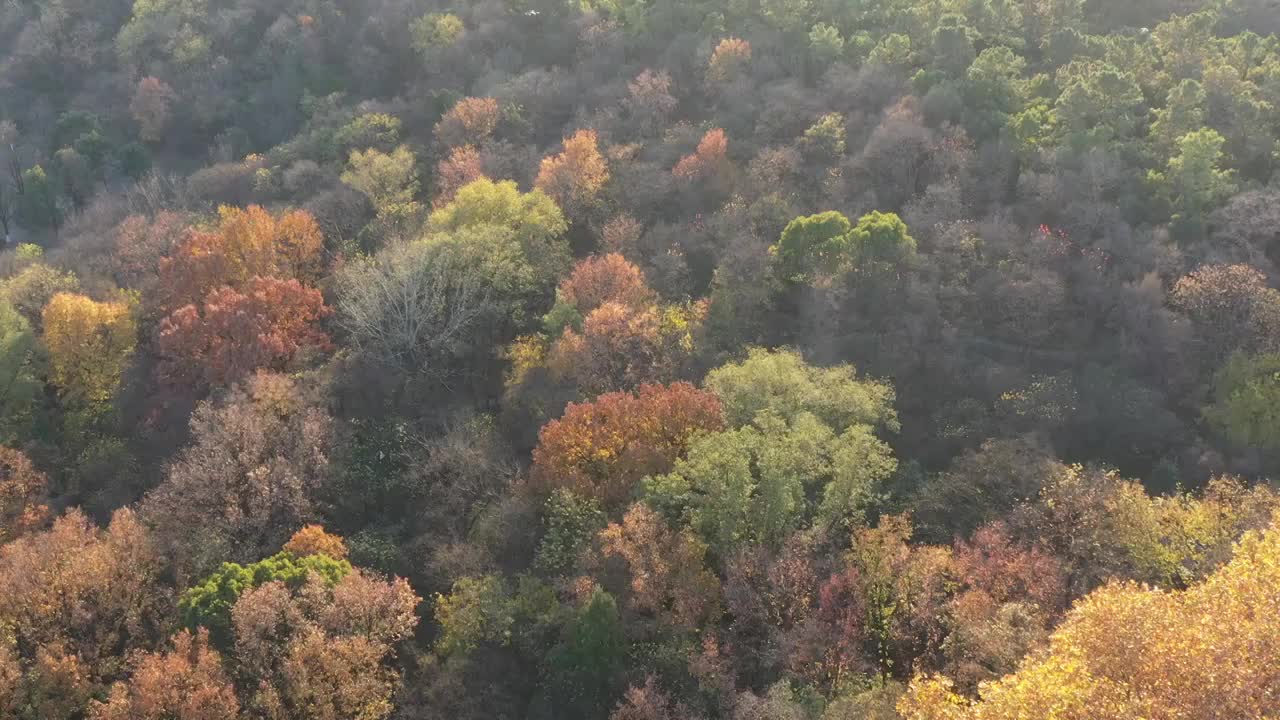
(412, 305)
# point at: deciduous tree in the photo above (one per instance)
(245, 244)
(152, 106)
(461, 168)
(669, 578)
(185, 683)
(711, 159)
(604, 279)
(1127, 650)
(575, 177)
(94, 594)
(23, 496)
(729, 59)
(235, 333)
(601, 449)
(247, 479)
(90, 344)
(469, 122)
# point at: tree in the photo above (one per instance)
(575, 177)
(813, 246)
(781, 383)
(470, 121)
(1195, 180)
(389, 180)
(824, 141)
(825, 43)
(601, 449)
(313, 540)
(186, 683)
(31, 289)
(533, 216)
(1232, 307)
(140, 244)
(414, 305)
(602, 279)
(729, 59)
(321, 650)
(245, 244)
(1127, 650)
(233, 333)
(1245, 394)
(246, 480)
(905, 588)
(983, 485)
(881, 240)
(585, 668)
(709, 160)
(753, 485)
(92, 593)
(37, 207)
(571, 522)
(461, 168)
(618, 348)
(22, 366)
(649, 101)
(518, 237)
(90, 344)
(151, 106)
(436, 30)
(669, 578)
(1099, 103)
(476, 611)
(23, 492)
(206, 606)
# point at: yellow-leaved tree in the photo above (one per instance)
(1129, 651)
(89, 345)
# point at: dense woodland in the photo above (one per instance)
(639, 359)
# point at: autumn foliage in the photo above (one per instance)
(1212, 650)
(461, 168)
(187, 682)
(89, 345)
(245, 244)
(469, 122)
(576, 176)
(23, 494)
(710, 158)
(730, 57)
(140, 244)
(313, 540)
(604, 279)
(668, 573)
(152, 107)
(233, 333)
(603, 448)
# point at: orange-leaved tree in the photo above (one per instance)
(603, 448)
(187, 682)
(575, 177)
(603, 279)
(245, 244)
(23, 491)
(469, 122)
(710, 159)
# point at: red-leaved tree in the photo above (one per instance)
(233, 333)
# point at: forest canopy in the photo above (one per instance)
(639, 359)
